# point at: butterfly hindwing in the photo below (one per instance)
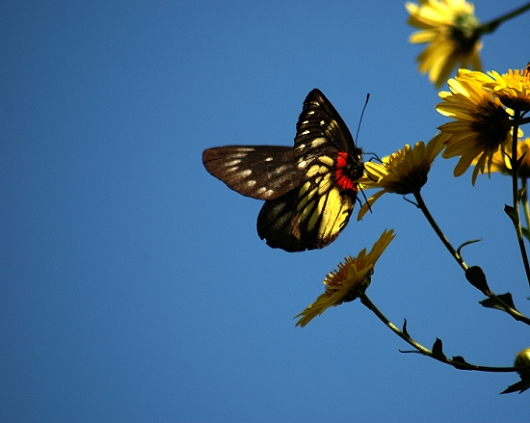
(305, 218)
(310, 190)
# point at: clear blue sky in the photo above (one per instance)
(133, 285)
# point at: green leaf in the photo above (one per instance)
(520, 386)
(459, 359)
(404, 330)
(526, 233)
(507, 298)
(437, 350)
(477, 278)
(471, 241)
(512, 213)
(492, 302)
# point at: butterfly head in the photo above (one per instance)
(349, 168)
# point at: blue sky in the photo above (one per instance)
(133, 285)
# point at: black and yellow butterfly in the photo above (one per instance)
(310, 190)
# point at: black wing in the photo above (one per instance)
(262, 172)
(310, 189)
(308, 217)
(321, 131)
(313, 215)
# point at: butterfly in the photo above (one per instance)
(309, 189)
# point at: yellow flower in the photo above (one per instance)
(404, 172)
(453, 32)
(482, 123)
(349, 281)
(512, 88)
(501, 160)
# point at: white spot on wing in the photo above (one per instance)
(262, 191)
(280, 169)
(318, 142)
(233, 163)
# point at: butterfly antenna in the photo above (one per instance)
(361, 119)
(365, 200)
(359, 128)
(357, 138)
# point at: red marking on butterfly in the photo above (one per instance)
(341, 175)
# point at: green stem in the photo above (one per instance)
(423, 207)
(458, 364)
(506, 307)
(516, 198)
(516, 314)
(522, 121)
(491, 26)
(524, 199)
(371, 306)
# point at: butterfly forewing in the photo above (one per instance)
(320, 131)
(262, 172)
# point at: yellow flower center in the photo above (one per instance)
(492, 124)
(336, 277)
(340, 279)
(515, 92)
(412, 181)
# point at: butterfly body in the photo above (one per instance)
(309, 189)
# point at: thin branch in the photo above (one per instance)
(492, 25)
(459, 364)
(516, 218)
(423, 207)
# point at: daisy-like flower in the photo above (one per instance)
(349, 281)
(404, 172)
(512, 88)
(501, 160)
(453, 32)
(481, 126)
